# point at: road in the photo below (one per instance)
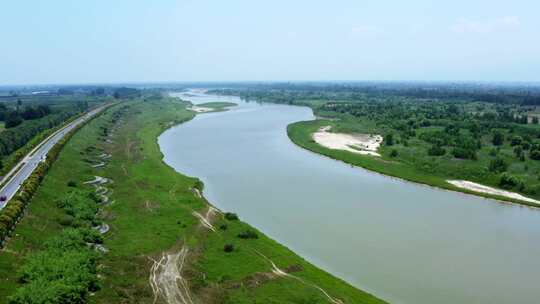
(14, 179)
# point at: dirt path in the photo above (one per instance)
(99, 165)
(100, 190)
(277, 271)
(98, 180)
(166, 278)
(207, 218)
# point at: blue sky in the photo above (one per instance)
(99, 41)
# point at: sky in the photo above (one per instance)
(103, 41)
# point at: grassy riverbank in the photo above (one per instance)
(217, 105)
(152, 212)
(301, 134)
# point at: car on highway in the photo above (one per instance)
(3, 198)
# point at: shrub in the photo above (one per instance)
(518, 151)
(498, 165)
(72, 183)
(231, 216)
(509, 181)
(64, 272)
(535, 154)
(248, 234)
(66, 220)
(464, 153)
(81, 207)
(223, 227)
(516, 140)
(199, 185)
(228, 248)
(389, 139)
(436, 151)
(498, 139)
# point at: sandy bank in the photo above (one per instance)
(366, 144)
(201, 109)
(489, 190)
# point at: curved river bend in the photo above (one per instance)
(403, 242)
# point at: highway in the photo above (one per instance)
(14, 179)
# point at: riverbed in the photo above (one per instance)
(403, 242)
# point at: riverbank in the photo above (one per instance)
(151, 215)
(301, 134)
(211, 107)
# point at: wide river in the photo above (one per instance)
(403, 242)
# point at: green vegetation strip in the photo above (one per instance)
(217, 105)
(151, 213)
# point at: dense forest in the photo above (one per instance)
(524, 94)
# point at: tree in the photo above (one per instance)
(13, 120)
(464, 153)
(498, 165)
(436, 151)
(19, 104)
(509, 181)
(248, 234)
(231, 216)
(516, 140)
(389, 140)
(498, 139)
(535, 154)
(518, 151)
(453, 109)
(17, 135)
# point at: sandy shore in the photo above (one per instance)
(201, 109)
(366, 144)
(489, 190)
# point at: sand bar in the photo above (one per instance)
(201, 109)
(489, 190)
(366, 144)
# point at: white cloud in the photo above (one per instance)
(291, 35)
(464, 26)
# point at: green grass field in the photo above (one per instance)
(151, 213)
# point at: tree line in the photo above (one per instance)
(14, 117)
(14, 138)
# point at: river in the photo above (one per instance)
(403, 242)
